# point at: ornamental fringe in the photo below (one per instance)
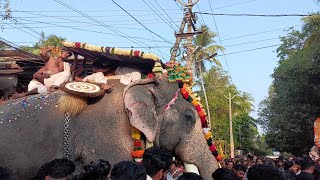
(115, 51)
(195, 100)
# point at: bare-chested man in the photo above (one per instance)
(51, 76)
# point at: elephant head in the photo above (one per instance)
(158, 110)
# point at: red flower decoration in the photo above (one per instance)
(137, 144)
(202, 118)
(198, 108)
(212, 148)
(204, 124)
(136, 53)
(77, 44)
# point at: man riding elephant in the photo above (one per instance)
(51, 76)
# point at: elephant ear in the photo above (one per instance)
(142, 102)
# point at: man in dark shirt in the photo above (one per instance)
(307, 169)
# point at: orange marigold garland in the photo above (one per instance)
(189, 96)
(138, 150)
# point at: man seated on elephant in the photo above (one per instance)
(157, 162)
(51, 76)
(98, 76)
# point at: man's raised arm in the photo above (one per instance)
(44, 53)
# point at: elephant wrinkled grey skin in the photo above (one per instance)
(103, 129)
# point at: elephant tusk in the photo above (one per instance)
(148, 144)
(191, 168)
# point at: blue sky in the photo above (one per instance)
(250, 71)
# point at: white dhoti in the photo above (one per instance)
(34, 84)
(59, 78)
(96, 78)
(128, 74)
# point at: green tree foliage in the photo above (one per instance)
(217, 84)
(207, 48)
(52, 40)
(5, 11)
(293, 104)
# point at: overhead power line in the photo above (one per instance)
(264, 47)
(225, 59)
(154, 10)
(99, 22)
(258, 15)
(262, 32)
(141, 23)
(166, 13)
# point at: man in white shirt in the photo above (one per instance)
(157, 162)
(98, 76)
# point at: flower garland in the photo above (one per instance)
(138, 150)
(113, 50)
(192, 97)
(176, 72)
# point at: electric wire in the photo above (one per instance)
(166, 13)
(141, 23)
(218, 34)
(258, 15)
(99, 22)
(158, 15)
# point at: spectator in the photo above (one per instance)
(157, 162)
(239, 170)
(6, 174)
(128, 170)
(289, 175)
(264, 172)
(56, 169)
(307, 169)
(174, 172)
(259, 160)
(190, 176)
(230, 164)
(224, 174)
(96, 170)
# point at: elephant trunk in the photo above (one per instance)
(193, 149)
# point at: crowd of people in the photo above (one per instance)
(158, 164)
(262, 168)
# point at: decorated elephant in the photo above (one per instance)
(32, 129)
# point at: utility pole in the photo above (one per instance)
(230, 120)
(189, 17)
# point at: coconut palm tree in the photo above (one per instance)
(206, 52)
(312, 26)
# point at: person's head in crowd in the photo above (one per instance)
(224, 174)
(96, 170)
(294, 168)
(287, 165)
(259, 161)
(280, 163)
(239, 162)
(290, 158)
(264, 172)
(307, 165)
(56, 169)
(157, 162)
(6, 174)
(173, 166)
(190, 176)
(269, 162)
(230, 164)
(239, 170)
(128, 170)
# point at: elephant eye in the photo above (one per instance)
(189, 116)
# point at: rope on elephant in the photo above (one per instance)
(66, 136)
